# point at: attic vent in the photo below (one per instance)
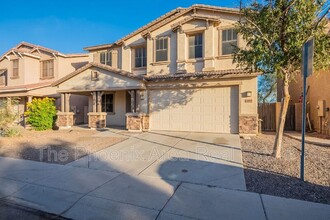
(94, 75)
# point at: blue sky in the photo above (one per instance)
(70, 25)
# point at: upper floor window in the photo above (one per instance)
(15, 68)
(162, 49)
(106, 58)
(107, 103)
(229, 40)
(47, 69)
(141, 57)
(196, 46)
(3, 77)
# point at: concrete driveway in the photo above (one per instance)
(155, 175)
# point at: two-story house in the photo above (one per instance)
(175, 73)
(28, 71)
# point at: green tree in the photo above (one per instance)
(275, 31)
(267, 88)
(41, 113)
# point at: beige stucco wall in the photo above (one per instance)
(107, 81)
(31, 70)
(178, 46)
(8, 64)
(70, 64)
(118, 118)
(319, 89)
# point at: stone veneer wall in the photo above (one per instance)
(248, 124)
(64, 119)
(137, 122)
(97, 119)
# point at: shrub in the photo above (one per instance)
(12, 131)
(41, 113)
(7, 114)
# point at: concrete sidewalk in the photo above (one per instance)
(206, 183)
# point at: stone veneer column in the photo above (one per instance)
(248, 124)
(137, 122)
(65, 118)
(97, 118)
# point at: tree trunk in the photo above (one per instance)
(284, 110)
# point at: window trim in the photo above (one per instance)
(134, 58)
(220, 55)
(155, 62)
(188, 46)
(113, 103)
(42, 69)
(12, 76)
(107, 54)
(4, 76)
(96, 76)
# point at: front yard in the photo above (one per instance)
(280, 177)
(60, 147)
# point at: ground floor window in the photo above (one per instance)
(107, 103)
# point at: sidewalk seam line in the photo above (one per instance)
(86, 194)
(160, 211)
(263, 206)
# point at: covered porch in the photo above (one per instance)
(21, 95)
(115, 98)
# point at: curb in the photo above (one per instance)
(308, 141)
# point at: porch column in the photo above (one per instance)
(94, 101)
(65, 118)
(67, 102)
(62, 102)
(99, 101)
(133, 98)
(30, 97)
(97, 118)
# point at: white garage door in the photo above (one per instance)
(199, 110)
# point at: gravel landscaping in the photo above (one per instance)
(60, 147)
(280, 177)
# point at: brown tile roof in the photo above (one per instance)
(162, 20)
(27, 87)
(193, 17)
(98, 47)
(231, 73)
(35, 47)
(101, 66)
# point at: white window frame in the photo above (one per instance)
(140, 57)
(195, 45)
(104, 104)
(167, 38)
(15, 73)
(107, 58)
(3, 77)
(227, 41)
(49, 69)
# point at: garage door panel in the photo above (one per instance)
(200, 110)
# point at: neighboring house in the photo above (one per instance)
(318, 99)
(175, 73)
(28, 71)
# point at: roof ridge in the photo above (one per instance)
(160, 20)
